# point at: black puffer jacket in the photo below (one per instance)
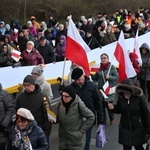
(135, 115)
(6, 112)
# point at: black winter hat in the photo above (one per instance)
(29, 79)
(70, 90)
(76, 73)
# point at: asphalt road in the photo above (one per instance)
(111, 131)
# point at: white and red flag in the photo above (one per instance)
(15, 55)
(77, 49)
(95, 68)
(106, 87)
(136, 50)
(125, 69)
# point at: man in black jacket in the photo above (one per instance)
(33, 99)
(46, 51)
(89, 94)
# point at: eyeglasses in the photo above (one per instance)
(66, 96)
(20, 119)
(103, 57)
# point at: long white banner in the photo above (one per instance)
(13, 76)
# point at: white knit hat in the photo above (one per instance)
(25, 113)
(31, 42)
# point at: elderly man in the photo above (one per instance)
(90, 95)
(46, 51)
(33, 99)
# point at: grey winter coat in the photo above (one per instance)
(73, 124)
(135, 116)
(6, 112)
(145, 69)
(113, 79)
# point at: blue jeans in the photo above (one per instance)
(88, 138)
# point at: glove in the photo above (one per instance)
(61, 88)
(2, 128)
(59, 79)
(100, 46)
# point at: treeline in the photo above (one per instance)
(23, 9)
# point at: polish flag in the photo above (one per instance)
(126, 69)
(77, 49)
(95, 68)
(106, 88)
(104, 95)
(15, 55)
(136, 50)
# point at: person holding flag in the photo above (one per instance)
(107, 78)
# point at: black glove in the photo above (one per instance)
(100, 46)
(59, 79)
(2, 128)
(61, 88)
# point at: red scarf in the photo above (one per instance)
(104, 66)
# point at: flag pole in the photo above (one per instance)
(110, 65)
(62, 81)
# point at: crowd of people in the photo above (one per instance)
(46, 42)
(25, 124)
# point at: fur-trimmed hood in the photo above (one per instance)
(127, 85)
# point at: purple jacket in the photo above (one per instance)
(61, 48)
(32, 58)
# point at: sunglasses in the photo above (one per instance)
(66, 96)
(20, 119)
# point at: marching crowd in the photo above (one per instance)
(25, 124)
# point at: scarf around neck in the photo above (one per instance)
(104, 66)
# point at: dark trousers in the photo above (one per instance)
(88, 138)
(110, 112)
(145, 86)
(3, 146)
(138, 147)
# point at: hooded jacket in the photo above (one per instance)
(72, 127)
(135, 115)
(145, 68)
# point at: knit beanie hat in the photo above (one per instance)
(29, 79)
(7, 27)
(25, 113)
(37, 70)
(31, 42)
(76, 73)
(70, 90)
